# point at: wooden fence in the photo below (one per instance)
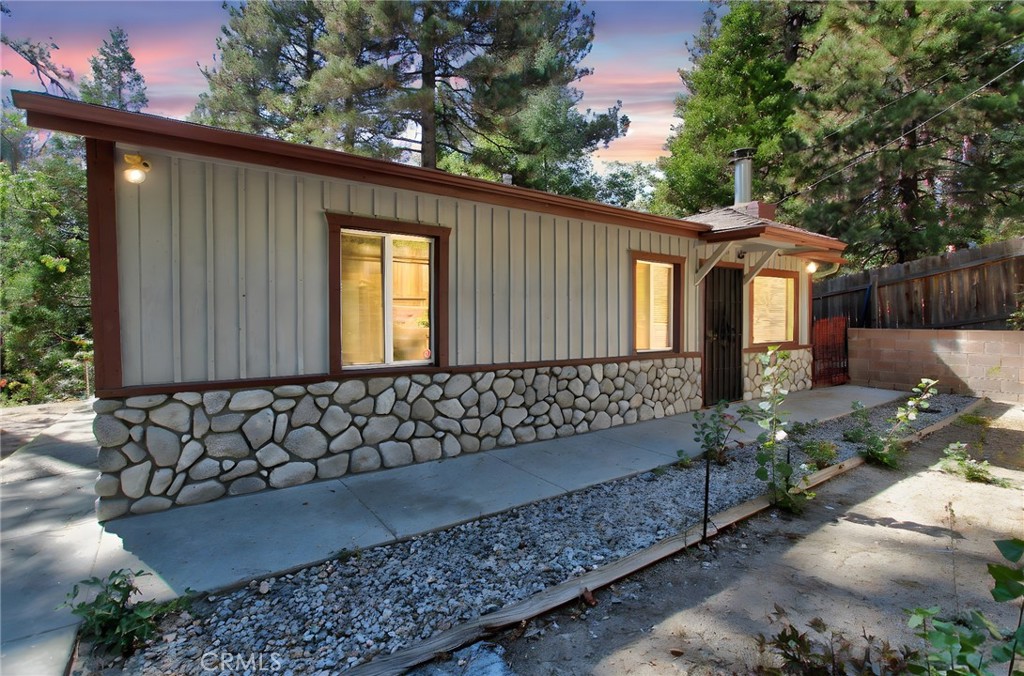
(967, 289)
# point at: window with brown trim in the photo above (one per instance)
(388, 293)
(773, 307)
(657, 296)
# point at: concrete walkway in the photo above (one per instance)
(51, 540)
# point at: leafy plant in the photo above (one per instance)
(714, 428)
(773, 468)
(962, 647)
(111, 620)
(713, 431)
(822, 453)
(959, 461)
(861, 416)
(827, 651)
(889, 450)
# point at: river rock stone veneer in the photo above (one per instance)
(798, 376)
(159, 451)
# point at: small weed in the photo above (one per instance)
(959, 461)
(111, 620)
(862, 424)
(349, 555)
(684, 462)
(972, 419)
(973, 645)
(659, 471)
(797, 430)
(827, 651)
(822, 453)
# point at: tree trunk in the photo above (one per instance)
(908, 196)
(428, 100)
(428, 114)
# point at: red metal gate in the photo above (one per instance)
(831, 362)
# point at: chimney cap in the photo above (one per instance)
(741, 154)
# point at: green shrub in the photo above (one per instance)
(822, 453)
(111, 621)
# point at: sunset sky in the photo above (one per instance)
(638, 47)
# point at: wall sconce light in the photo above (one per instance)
(137, 169)
(812, 267)
(741, 254)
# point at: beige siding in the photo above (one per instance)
(224, 274)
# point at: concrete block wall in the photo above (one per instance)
(980, 363)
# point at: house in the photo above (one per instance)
(269, 314)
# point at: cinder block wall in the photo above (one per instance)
(980, 363)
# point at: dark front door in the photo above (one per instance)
(723, 335)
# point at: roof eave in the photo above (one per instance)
(50, 112)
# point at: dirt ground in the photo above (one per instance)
(873, 543)
(20, 424)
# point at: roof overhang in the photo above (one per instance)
(786, 241)
(151, 131)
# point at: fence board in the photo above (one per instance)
(971, 288)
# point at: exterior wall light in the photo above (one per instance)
(812, 267)
(137, 169)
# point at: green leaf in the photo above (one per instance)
(1012, 550)
(761, 473)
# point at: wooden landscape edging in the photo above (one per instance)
(570, 590)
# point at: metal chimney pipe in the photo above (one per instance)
(743, 169)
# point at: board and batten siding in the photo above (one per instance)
(223, 274)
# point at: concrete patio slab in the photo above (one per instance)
(416, 498)
(574, 463)
(664, 436)
(39, 571)
(227, 542)
(42, 654)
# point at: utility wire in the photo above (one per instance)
(905, 95)
(889, 143)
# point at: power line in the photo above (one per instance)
(904, 95)
(868, 154)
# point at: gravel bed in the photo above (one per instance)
(330, 617)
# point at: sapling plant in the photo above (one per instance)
(713, 430)
(889, 450)
(773, 468)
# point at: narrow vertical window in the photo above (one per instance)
(654, 302)
(385, 299)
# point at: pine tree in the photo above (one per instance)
(911, 124)
(738, 95)
(115, 81)
(453, 82)
(268, 55)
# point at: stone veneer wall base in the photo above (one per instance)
(799, 372)
(161, 451)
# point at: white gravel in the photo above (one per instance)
(330, 617)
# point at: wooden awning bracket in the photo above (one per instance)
(711, 262)
(759, 265)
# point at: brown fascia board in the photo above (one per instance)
(91, 121)
(803, 238)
